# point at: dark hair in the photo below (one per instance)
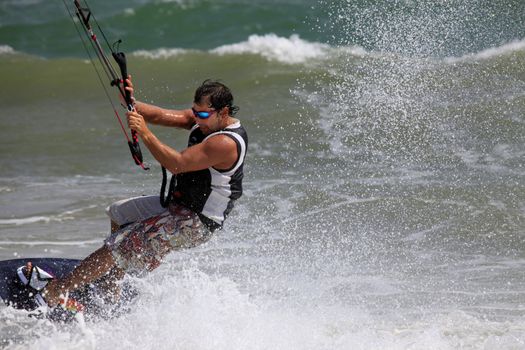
(218, 94)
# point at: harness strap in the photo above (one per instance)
(166, 199)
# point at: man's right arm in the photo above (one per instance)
(160, 116)
(166, 117)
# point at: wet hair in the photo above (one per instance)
(218, 94)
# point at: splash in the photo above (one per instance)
(393, 104)
(192, 309)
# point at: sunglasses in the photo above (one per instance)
(202, 114)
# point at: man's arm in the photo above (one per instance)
(166, 117)
(219, 151)
(160, 116)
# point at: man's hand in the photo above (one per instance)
(129, 87)
(136, 122)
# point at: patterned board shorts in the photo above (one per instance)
(140, 246)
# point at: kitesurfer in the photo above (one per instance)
(209, 175)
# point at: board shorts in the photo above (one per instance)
(151, 231)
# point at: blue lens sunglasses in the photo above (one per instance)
(203, 114)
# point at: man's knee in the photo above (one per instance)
(114, 226)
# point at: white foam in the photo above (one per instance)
(66, 215)
(178, 2)
(292, 50)
(162, 53)
(128, 12)
(192, 310)
(286, 50)
(51, 243)
(489, 53)
(6, 49)
(25, 221)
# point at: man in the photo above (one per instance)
(209, 176)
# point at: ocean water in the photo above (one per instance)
(384, 203)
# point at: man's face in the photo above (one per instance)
(206, 117)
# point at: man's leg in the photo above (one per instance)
(114, 226)
(90, 269)
(132, 210)
(136, 250)
(109, 283)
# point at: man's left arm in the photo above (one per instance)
(219, 151)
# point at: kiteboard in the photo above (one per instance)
(22, 279)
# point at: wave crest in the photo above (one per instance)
(486, 54)
(274, 48)
(6, 49)
(292, 50)
(159, 53)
